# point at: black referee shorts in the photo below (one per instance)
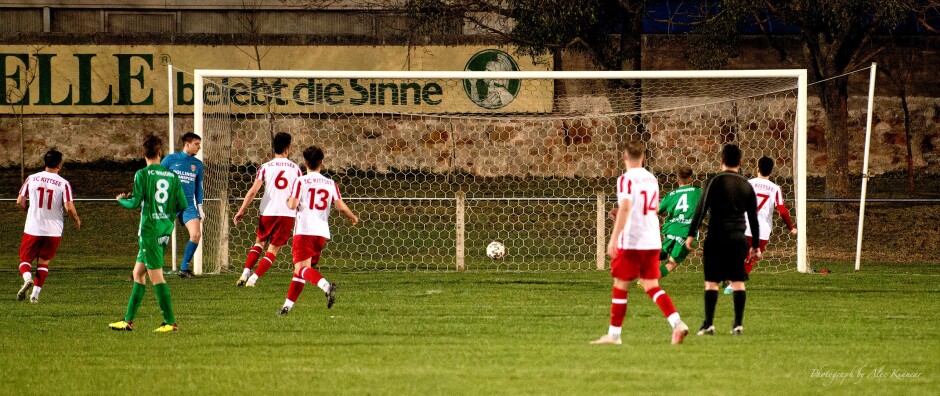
(723, 257)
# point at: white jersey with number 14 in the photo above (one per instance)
(278, 175)
(641, 231)
(316, 194)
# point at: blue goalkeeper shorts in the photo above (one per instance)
(188, 214)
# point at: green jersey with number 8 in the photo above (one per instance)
(679, 207)
(158, 193)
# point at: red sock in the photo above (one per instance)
(311, 275)
(296, 287)
(25, 267)
(748, 265)
(253, 255)
(265, 263)
(41, 273)
(618, 307)
(662, 299)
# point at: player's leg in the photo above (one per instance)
(624, 271)
(192, 221)
(137, 296)
(29, 250)
(711, 264)
(257, 249)
(154, 264)
(738, 275)
(649, 278)
(47, 252)
(313, 275)
(281, 228)
(296, 287)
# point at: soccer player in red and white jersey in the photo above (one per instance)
(276, 220)
(635, 244)
(313, 195)
(48, 195)
(769, 196)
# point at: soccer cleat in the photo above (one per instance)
(283, 311)
(165, 328)
(728, 290)
(249, 284)
(331, 296)
(21, 295)
(607, 339)
(34, 299)
(185, 274)
(122, 326)
(241, 281)
(737, 330)
(679, 332)
(710, 330)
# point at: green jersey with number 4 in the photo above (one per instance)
(158, 193)
(679, 207)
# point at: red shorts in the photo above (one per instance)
(308, 247)
(631, 264)
(275, 229)
(763, 244)
(42, 247)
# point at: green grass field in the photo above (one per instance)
(474, 333)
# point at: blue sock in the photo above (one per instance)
(188, 255)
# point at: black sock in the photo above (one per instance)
(711, 299)
(740, 296)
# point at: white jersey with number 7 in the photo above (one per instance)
(278, 175)
(316, 194)
(641, 231)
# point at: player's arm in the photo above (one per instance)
(784, 213)
(342, 208)
(625, 205)
(294, 199)
(700, 209)
(249, 197)
(69, 206)
(200, 194)
(22, 196)
(750, 209)
(133, 200)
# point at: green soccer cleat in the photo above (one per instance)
(165, 328)
(21, 295)
(122, 326)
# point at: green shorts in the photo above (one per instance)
(674, 247)
(151, 251)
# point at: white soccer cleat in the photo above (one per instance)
(34, 299)
(21, 295)
(710, 330)
(249, 284)
(737, 330)
(607, 339)
(679, 332)
(241, 281)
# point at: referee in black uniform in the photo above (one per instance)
(728, 196)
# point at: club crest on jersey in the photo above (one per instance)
(192, 168)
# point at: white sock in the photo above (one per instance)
(289, 304)
(324, 285)
(253, 278)
(36, 290)
(614, 331)
(674, 319)
(27, 276)
(246, 272)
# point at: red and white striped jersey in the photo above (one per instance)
(768, 197)
(278, 175)
(316, 194)
(641, 231)
(47, 192)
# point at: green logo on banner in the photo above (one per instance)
(491, 93)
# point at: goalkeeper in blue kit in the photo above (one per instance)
(189, 169)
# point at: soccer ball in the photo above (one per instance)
(496, 250)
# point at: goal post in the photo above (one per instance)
(438, 163)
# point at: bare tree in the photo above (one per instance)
(896, 64)
(17, 95)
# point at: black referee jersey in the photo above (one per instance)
(727, 196)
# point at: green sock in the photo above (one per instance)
(663, 271)
(166, 306)
(133, 304)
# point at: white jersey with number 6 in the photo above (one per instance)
(47, 192)
(316, 194)
(278, 175)
(641, 231)
(769, 197)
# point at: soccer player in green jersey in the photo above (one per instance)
(678, 206)
(158, 194)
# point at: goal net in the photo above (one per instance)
(439, 164)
